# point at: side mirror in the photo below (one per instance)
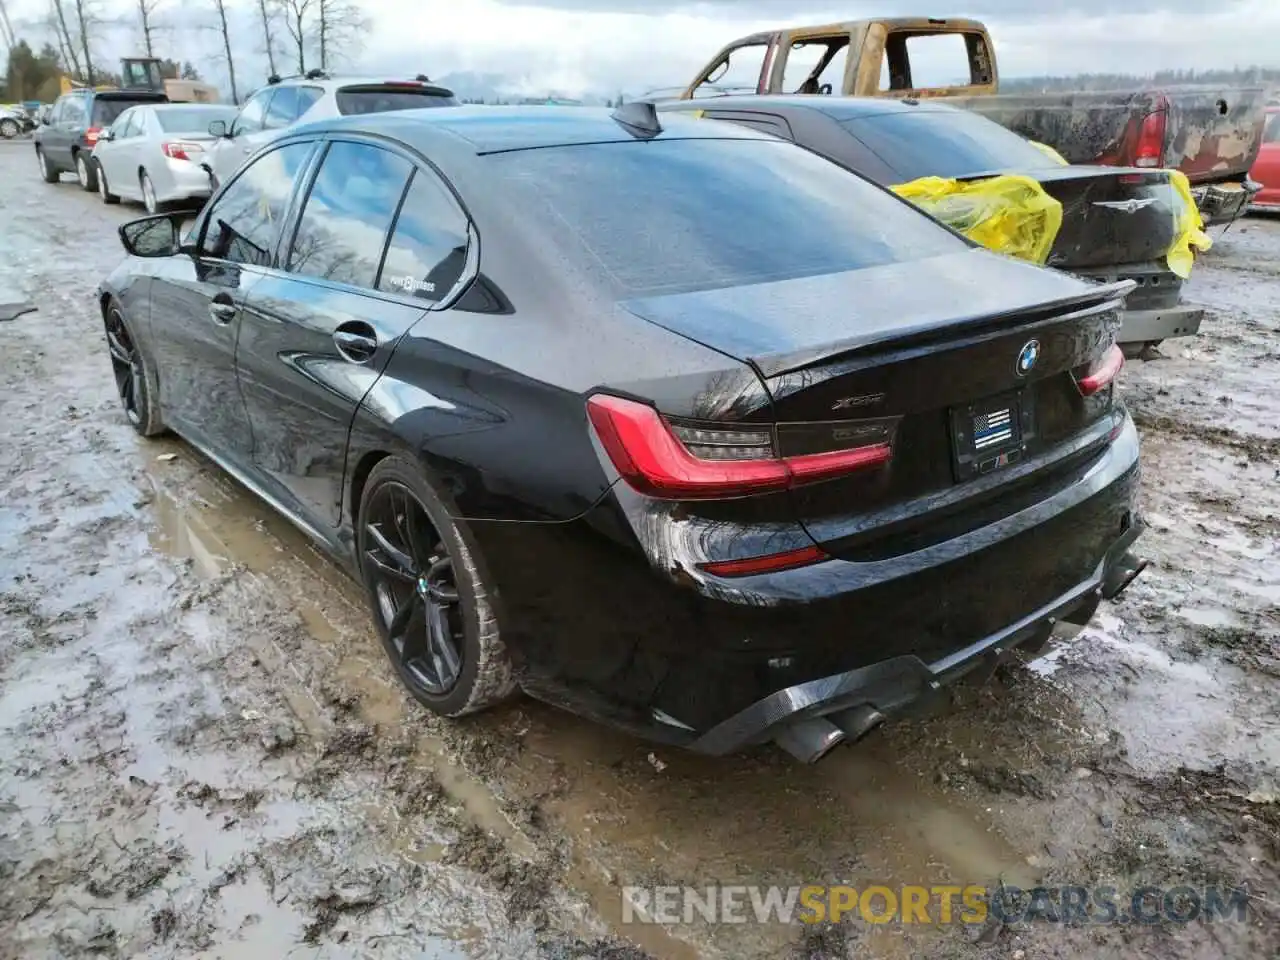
(151, 236)
(218, 128)
(106, 135)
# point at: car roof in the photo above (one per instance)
(493, 129)
(838, 108)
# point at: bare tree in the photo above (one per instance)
(268, 13)
(221, 7)
(6, 28)
(340, 25)
(65, 45)
(297, 15)
(86, 18)
(147, 10)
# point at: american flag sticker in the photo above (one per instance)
(992, 429)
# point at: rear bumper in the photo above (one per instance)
(1143, 326)
(1223, 202)
(894, 685)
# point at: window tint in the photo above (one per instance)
(283, 109)
(193, 119)
(244, 221)
(381, 99)
(675, 215)
(428, 249)
(106, 109)
(251, 117)
(945, 144)
(344, 225)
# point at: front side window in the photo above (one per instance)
(1271, 133)
(428, 249)
(254, 113)
(244, 222)
(120, 129)
(348, 213)
(669, 216)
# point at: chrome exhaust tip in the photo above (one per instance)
(1121, 574)
(857, 722)
(809, 740)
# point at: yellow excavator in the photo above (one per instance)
(143, 73)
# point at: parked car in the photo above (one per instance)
(711, 439)
(1118, 222)
(1266, 169)
(65, 140)
(1210, 133)
(13, 121)
(154, 152)
(315, 96)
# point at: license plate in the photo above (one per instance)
(989, 434)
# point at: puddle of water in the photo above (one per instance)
(1208, 616)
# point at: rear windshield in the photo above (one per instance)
(193, 119)
(934, 143)
(669, 216)
(369, 99)
(105, 110)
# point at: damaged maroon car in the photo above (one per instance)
(676, 425)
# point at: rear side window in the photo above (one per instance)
(193, 119)
(105, 110)
(678, 215)
(1271, 133)
(381, 99)
(244, 222)
(945, 144)
(306, 97)
(344, 224)
(428, 249)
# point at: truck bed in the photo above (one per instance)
(1211, 134)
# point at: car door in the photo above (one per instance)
(73, 119)
(118, 155)
(198, 302)
(52, 140)
(319, 333)
(244, 137)
(1266, 169)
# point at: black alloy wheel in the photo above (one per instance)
(411, 574)
(127, 364)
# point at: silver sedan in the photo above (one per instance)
(153, 153)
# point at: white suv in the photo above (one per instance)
(282, 103)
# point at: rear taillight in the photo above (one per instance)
(770, 563)
(1150, 148)
(705, 462)
(180, 150)
(1100, 374)
(92, 135)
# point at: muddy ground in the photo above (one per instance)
(203, 753)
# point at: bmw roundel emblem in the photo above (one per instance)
(1027, 357)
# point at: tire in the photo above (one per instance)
(135, 379)
(400, 505)
(149, 194)
(86, 173)
(9, 128)
(47, 173)
(103, 190)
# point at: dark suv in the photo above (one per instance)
(67, 138)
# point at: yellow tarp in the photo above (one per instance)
(1190, 228)
(1014, 215)
(1049, 152)
(1009, 214)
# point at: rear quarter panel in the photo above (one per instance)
(1214, 134)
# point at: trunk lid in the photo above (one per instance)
(1111, 215)
(963, 363)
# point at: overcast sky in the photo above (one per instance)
(604, 45)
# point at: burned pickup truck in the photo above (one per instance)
(1212, 135)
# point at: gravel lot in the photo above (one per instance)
(203, 752)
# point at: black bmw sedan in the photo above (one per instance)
(671, 423)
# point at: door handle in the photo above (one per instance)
(222, 310)
(356, 341)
